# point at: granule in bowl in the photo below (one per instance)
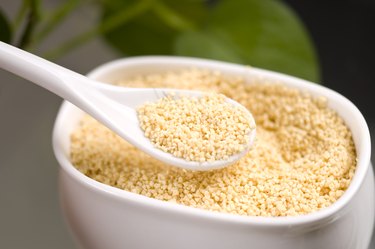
(302, 161)
(202, 129)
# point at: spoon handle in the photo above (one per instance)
(65, 83)
(38, 70)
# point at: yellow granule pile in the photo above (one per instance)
(303, 158)
(203, 129)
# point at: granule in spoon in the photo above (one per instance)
(203, 129)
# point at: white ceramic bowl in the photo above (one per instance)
(104, 217)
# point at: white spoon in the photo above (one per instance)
(112, 106)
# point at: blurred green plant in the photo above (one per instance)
(261, 33)
(5, 31)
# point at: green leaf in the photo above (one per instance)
(104, 27)
(54, 18)
(261, 33)
(207, 45)
(154, 31)
(33, 18)
(5, 30)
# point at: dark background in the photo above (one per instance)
(343, 32)
(344, 35)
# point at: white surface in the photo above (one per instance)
(101, 216)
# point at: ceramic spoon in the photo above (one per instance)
(115, 107)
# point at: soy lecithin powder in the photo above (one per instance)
(201, 129)
(303, 158)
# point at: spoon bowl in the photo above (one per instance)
(132, 98)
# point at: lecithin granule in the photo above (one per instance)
(303, 158)
(201, 129)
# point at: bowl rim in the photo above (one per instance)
(363, 161)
